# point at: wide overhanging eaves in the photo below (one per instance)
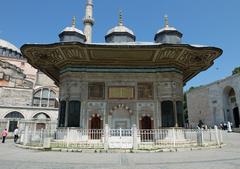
(52, 58)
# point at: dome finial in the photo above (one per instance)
(120, 21)
(74, 22)
(166, 21)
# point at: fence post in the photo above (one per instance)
(25, 136)
(41, 135)
(106, 137)
(221, 137)
(174, 137)
(200, 137)
(229, 127)
(135, 135)
(68, 136)
(216, 135)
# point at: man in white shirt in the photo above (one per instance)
(16, 132)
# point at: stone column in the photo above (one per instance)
(83, 115)
(216, 135)
(135, 137)
(66, 114)
(110, 121)
(159, 113)
(106, 136)
(175, 113)
(137, 115)
(105, 117)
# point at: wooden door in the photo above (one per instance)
(96, 127)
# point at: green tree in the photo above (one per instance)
(236, 70)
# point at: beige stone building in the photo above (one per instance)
(27, 95)
(215, 103)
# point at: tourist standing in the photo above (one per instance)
(16, 132)
(4, 135)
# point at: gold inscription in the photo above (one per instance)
(121, 92)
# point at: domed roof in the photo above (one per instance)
(168, 34)
(120, 29)
(120, 33)
(72, 29)
(70, 34)
(166, 29)
(8, 45)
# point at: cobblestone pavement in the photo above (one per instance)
(227, 157)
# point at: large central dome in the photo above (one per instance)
(7, 49)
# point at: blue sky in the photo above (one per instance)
(206, 22)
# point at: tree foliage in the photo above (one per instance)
(236, 70)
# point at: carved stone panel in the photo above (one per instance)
(145, 109)
(97, 108)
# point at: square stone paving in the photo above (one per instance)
(228, 157)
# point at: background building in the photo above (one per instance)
(215, 103)
(27, 95)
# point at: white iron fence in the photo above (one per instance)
(121, 138)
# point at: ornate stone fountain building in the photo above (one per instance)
(121, 82)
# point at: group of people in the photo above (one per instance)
(225, 126)
(5, 134)
(201, 125)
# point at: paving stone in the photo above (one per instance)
(227, 157)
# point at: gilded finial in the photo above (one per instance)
(74, 22)
(166, 21)
(120, 21)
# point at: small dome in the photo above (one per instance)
(120, 33)
(168, 34)
(120, 29)
(166, 29)
(72, 34)
(72, 29)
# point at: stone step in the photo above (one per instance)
(237, 130)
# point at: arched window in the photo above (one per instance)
(14, 115)
(41, 116)
(45, 98)
(231, 107)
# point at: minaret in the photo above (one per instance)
(88, 21)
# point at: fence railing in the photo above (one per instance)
(119, 138)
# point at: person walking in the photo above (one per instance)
(16, 132)
(4, 135)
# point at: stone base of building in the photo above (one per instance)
(128, 139)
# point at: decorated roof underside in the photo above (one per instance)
(53, 58)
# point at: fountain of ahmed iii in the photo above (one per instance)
(119, 85)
